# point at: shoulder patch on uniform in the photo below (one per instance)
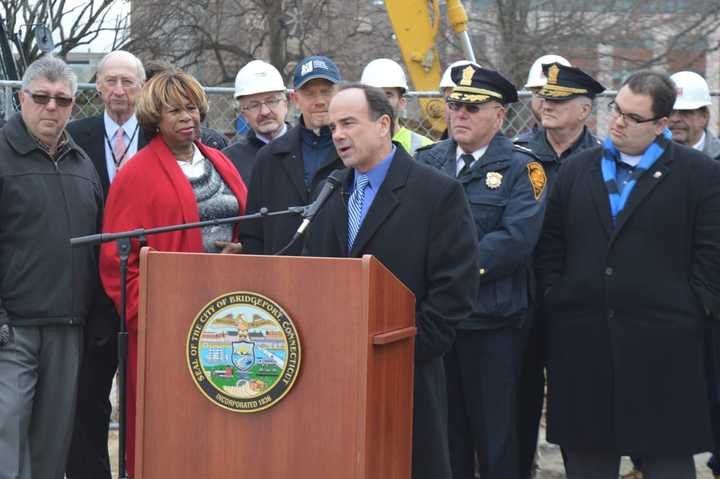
(538, 180)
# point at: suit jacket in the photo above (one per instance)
(103, 322)
(627, 305)
(152, 191)
(420, 227)
(89, 134)
(277, 183)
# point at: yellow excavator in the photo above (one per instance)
(416, 24)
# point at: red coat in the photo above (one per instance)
(152, 191)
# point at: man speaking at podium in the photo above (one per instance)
(417, 222)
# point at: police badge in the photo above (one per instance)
(493, 180)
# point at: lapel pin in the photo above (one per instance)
(657, 174)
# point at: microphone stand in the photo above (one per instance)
(124, 246)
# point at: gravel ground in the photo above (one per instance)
(550, 465)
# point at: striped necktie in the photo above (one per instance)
(355, 207)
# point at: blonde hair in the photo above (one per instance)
(169, 88)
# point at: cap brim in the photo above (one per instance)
(322, 76)
(550, 93)
(461, 97)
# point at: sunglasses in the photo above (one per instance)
(43, 99)
(469, 107)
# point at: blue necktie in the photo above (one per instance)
(355, 207)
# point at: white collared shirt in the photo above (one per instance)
(194, 168)
(630, 160)
(110, 130)
(265, 139)
(477, 154)
(700, 145)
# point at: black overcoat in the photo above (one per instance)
(420, 227)
(277, 183)
(88, 133)
(627, 304)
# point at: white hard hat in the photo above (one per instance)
(446, 81)
(258, 77)
(536, 77)
(692, 91)
(384, 73)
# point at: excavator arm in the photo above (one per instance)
(416, 24)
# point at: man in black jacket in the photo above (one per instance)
(629, 264)
(120, 77)
(50, 193)
(261, 98)
(415, 220)
(289, 169)
(567, 101)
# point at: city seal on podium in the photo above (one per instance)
(243, 352)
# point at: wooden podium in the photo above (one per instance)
(349, 414)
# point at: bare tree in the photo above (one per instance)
(73, 24)
(214, 38)
(510, 34)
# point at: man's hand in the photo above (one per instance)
(229, 247)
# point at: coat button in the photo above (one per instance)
(609, 271)
(611, 313)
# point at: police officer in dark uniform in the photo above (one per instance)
(568, 101)
(505, 186)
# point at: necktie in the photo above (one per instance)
(119, 149)
(355, 207)
(467, 159)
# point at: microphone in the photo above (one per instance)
(333, 181)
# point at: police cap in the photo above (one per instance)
(474, 84)
(564, 83)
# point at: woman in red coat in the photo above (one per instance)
(175, 179)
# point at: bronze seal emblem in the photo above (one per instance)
(243, 352)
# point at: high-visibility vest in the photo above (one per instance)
(410, 140)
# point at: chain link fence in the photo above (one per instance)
(222, 115)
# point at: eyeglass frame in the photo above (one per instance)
(616, 112)
(469, 107)
(60, 101)
(256, 107)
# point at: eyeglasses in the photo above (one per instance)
(469, 107)
(255, 106)
(43, 99)
(630, 118)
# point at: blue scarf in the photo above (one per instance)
(611, 157)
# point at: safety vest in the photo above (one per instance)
(410, 140)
